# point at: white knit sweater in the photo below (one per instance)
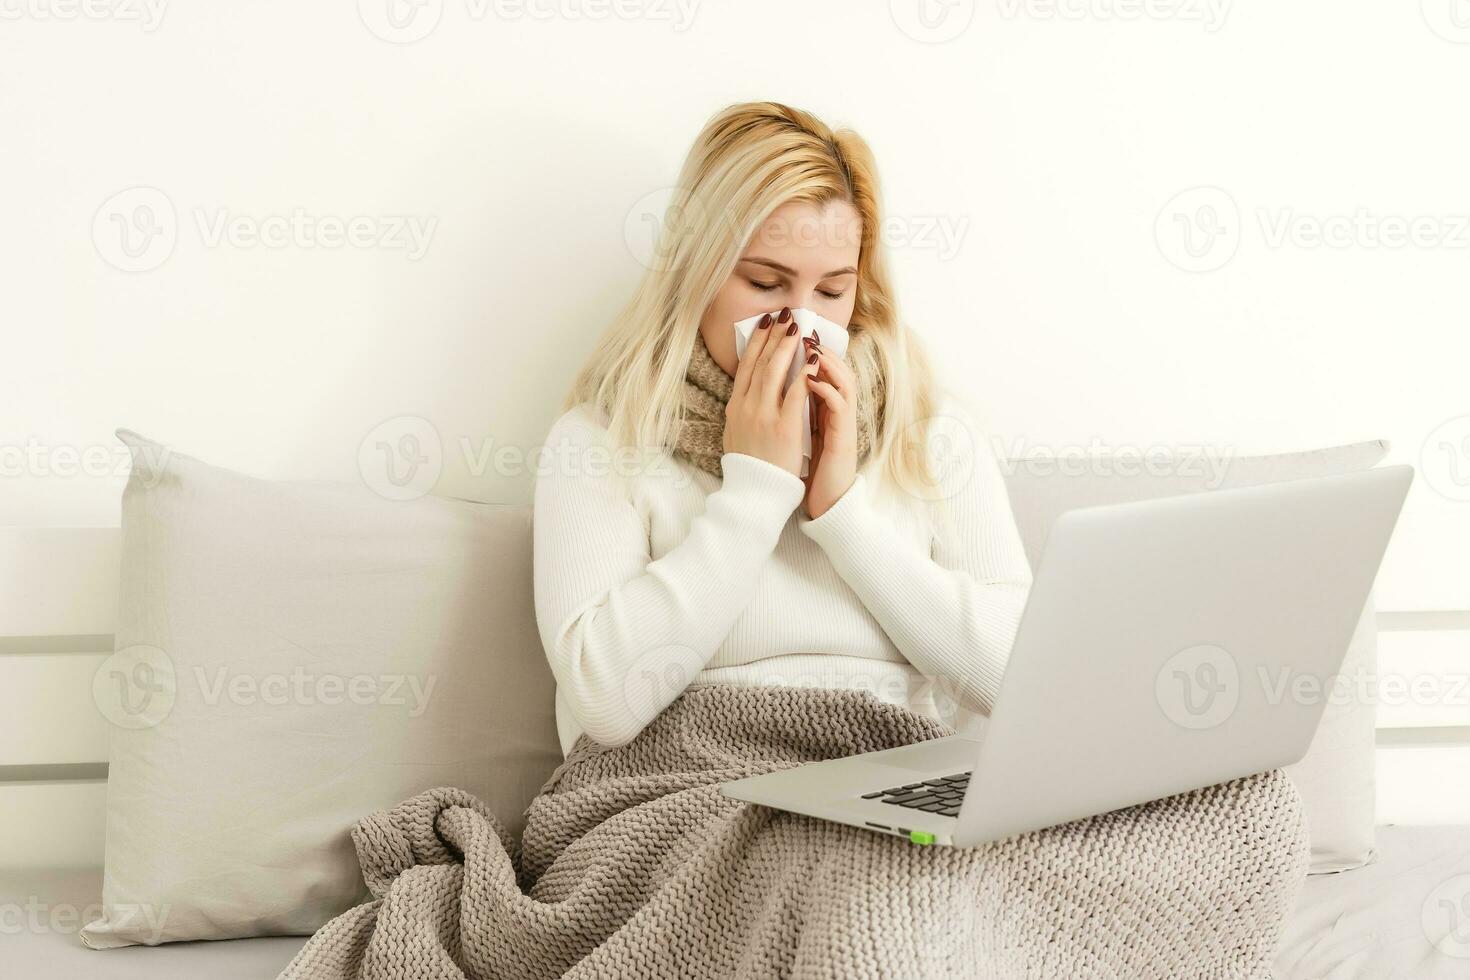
(652, 576)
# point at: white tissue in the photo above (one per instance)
(833, 339)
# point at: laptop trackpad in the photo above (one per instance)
(948, 754)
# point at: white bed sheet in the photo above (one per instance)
(1406, 916)
(41, 910)
(1380, 922)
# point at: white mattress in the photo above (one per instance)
(39, 939)
(1375, 923)
(1382, 922)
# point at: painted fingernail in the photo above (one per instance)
(765, 321)
(815, 338)
(812, 359)
(785, 314)
(791, 330)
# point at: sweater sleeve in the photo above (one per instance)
(952, 613)
(625, 634)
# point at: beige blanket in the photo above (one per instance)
(633, 865)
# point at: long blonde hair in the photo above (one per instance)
(750, 159)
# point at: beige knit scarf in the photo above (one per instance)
(707, 388)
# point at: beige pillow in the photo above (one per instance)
(291, 657)
(1336, 778)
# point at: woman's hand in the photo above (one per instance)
(834, 431)
(759, 420)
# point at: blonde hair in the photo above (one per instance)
(750, 159)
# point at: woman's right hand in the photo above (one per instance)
(759, 420)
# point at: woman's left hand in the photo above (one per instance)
(834, 432)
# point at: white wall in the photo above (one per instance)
(1029, 159)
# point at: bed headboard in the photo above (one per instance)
(56, 620)
(60, 601)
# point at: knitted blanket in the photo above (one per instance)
(633, 865)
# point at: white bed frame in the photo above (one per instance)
(56, 622)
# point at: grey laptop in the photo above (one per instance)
(1156, 654)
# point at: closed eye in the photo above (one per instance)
(766, 287)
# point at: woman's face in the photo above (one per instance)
(801, 256)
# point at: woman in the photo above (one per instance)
(710, 614)
(717, 563)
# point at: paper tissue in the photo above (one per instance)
(833, 339)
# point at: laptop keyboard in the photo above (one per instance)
(942, 795)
